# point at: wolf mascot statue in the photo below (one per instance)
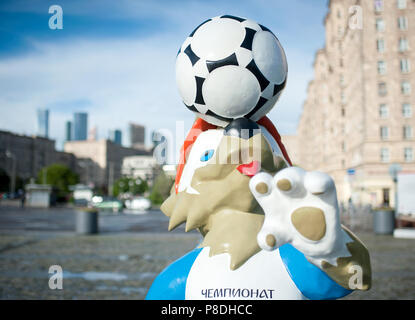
(270, 230)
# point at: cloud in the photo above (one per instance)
(123, 78)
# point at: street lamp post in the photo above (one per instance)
(394, 169)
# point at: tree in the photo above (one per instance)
(129, 185)
(161, 188)
(59, 176)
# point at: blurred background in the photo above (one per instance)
(87, 98)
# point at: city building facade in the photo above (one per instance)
(24, 156)
(100, 161)
(358, 118)
(143, 167)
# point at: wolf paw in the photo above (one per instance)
(300, 208)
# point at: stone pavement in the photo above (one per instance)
(122, 261)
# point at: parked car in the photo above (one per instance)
(139, 204)
(108, 203)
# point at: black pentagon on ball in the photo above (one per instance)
(192, 56)
(258, 106)
(249, 38)
(263, 82)
(199, 96)
(228, 61)
(233, 17)
(279, 87)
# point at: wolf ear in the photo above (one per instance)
(242, 128)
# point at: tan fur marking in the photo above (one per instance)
(270, 240)
(310, 222)
(359, 256)
(261, 188)
(284, 185)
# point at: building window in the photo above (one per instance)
(403, 23)
(407, 132)
(384, 155)
(343, 98)
(384, 133)
(408, 154)
(382, 89)
(381, 67)
(380, 25)
(378, 5)
(406, 110)
(403, 45)
(380, 44)
(401, 4)
(406, 87)
(405, 66)
(383, 111)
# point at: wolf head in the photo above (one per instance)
(213, 194)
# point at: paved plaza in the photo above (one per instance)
(122, 261)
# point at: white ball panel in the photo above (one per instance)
(200, 69)
(268, 92)
(231, 91)
(185, 79)
(269, 56)
(244, 56)
(217, 39)
(201, 108)
(251, 24)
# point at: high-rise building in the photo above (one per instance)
(116, 136)
(80, 126)
(358, 117)
(137, 135)
(43, 123)
(68, 131)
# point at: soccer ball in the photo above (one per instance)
(231, 67)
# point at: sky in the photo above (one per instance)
(116, 60)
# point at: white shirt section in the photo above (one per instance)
(263, 276)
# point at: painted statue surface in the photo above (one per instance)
(270, 230)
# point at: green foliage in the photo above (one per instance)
(130, 185)
(59, 176)
(161, 188)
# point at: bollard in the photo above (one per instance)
(87, 221)
(383, 221)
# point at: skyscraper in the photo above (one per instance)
(80, 126)
(116, 136)
(43, 123)
(68, 131)
(137, 135)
